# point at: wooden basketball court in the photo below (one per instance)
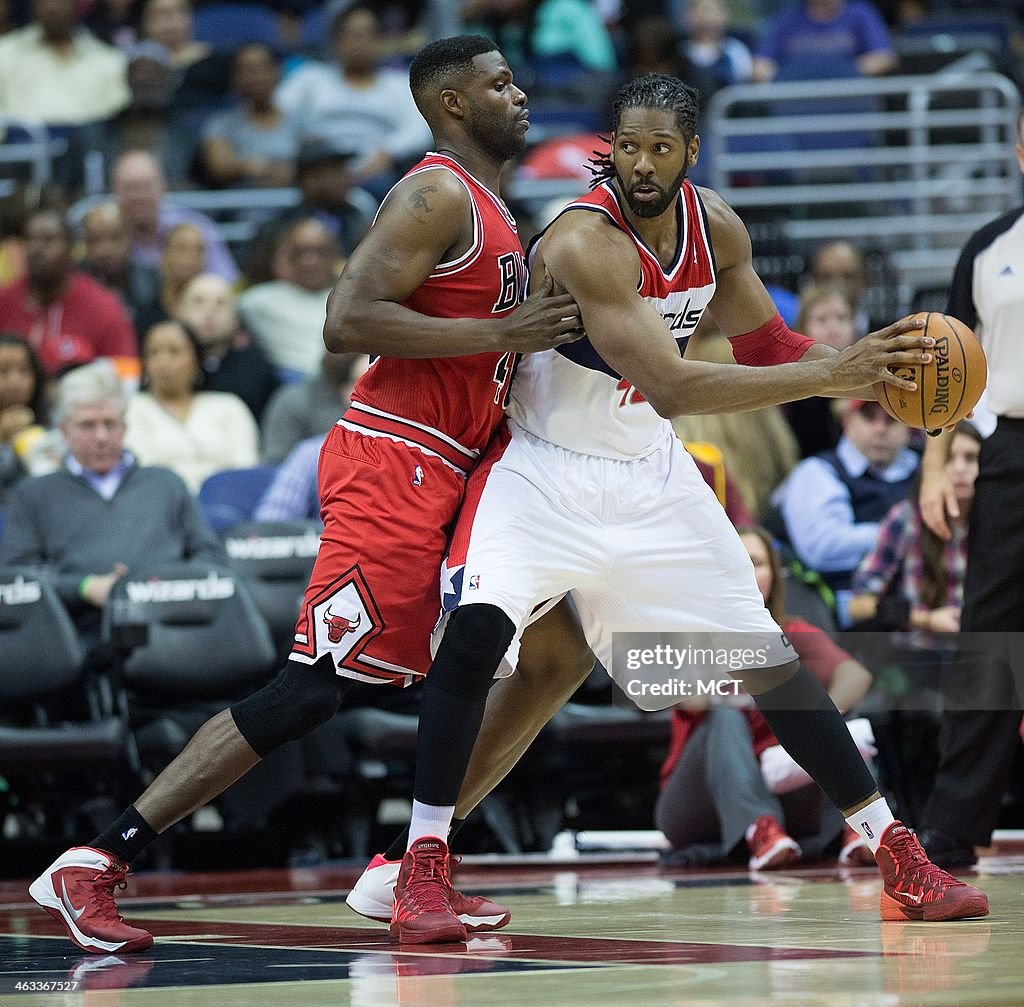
(603, 934)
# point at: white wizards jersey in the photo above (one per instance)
(570, 396)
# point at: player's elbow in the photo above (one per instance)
(342, 327)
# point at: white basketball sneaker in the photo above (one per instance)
(373, 896)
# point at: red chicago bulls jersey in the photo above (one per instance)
(451, 406)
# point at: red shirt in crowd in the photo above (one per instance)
(816, 650)
(87, 322)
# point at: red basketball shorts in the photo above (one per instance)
(373, 596)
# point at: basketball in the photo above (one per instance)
(949, 387)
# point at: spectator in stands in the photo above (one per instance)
(115, 22)
(108, 260)
(68, 318)
(329, 194)
(173, 423)
(101, 514)
(527, 29)
(153, 120)
(181, 261)
(826, 316)
(309, 408)
(842, 32)
(53, 71)
(911, 579)
(356, 105)
(201, 74)
(231, 358)
(832, 503)
(287, 316)
(292, 494)
(727, 779)
(169, 22)
(708, 45)
(139, 187)
(255, 143)
(840, 263)
(23, 407)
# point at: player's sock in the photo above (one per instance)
(126, 837)
(871, 821)
(397, 849)
(807, 724)
(429, 820)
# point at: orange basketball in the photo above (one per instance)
(949, 387)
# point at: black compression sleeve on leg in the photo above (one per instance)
(299, 700)
(807, 724)
(454, 696)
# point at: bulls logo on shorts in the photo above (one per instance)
(341, 620)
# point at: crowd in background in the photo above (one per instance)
(217, 345)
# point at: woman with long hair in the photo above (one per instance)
(174, 423)
(913, 580)
(23, 408)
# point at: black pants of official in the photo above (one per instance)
(986, 683)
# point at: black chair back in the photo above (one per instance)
(191, 630)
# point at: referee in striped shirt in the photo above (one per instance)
(976, 746)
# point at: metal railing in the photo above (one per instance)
(909, 166)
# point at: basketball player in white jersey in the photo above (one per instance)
(591, 492)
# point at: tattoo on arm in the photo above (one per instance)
(387, 258)
(418, 202)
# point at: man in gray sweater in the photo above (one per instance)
(101, 514)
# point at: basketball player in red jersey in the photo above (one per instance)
(435, 291)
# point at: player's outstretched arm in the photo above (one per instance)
(598, 265)
(427, 219)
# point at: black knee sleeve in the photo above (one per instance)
(298, 701)
(807, 724)
(453, 700)
(471, 650)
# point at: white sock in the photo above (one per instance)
(430, 820)
(870, 822)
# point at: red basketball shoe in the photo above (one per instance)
(78, 889)
(373, 896)
(770, 846)
(915, 889)
(423, 912)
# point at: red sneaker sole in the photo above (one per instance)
(968, 907)
(127, 948)
(455, 934)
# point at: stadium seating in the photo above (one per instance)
(225, 26)
(230, 497)
(57, 721)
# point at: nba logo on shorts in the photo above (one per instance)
(417, 476)
(474, 582)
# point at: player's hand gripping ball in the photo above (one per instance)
(948, 387)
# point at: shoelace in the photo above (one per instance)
(915, 866)
(429, 882)
(107, 881)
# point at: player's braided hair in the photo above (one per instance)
(653, 90)
(445, 58)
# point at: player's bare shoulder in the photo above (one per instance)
(584, 245)
(431, 207)
(727, 232)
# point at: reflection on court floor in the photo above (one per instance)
(603, 935)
